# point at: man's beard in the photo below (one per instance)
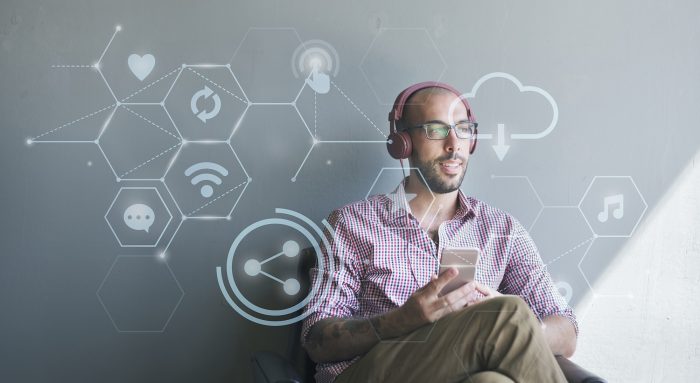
(430, 170)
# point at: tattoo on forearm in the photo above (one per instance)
(330, 332)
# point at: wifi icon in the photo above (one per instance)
(206, 178)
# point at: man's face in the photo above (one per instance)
(442, 163)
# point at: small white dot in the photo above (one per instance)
(89, 163)
(252, 267)
(290, 248)
(329, 162)
(291, 286)
(119, 28)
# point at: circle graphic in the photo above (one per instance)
(291, 286)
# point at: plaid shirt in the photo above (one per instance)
(381, 255)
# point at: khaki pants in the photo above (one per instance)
(498, 340)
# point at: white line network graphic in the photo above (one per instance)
(314, 58)
(587, 242)
(314, 62)
(312, 49)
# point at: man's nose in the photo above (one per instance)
(452, 142)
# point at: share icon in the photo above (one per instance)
(290, 249)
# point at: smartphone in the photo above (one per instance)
(465, 260)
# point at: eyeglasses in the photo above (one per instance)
(440, 131)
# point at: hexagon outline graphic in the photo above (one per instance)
(369, 48)
(534, 191)
(314, 140)
(245, 36)
(116, 175)
(639, 219)
(109, 315)
(245, 184)
(240, 44)
(590, 285)
(170, 215)
(589, 239)
(98, 67)
(246, 100)
(544, 269)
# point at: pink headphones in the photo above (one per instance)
(399, 143)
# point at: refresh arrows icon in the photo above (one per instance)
(205, 93)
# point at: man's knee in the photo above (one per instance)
(507, 303)
(502, 307)
(510, 303)
(501, 310)
(514, 313)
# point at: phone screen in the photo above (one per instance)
(464, 260)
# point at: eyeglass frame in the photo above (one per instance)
(449, 127)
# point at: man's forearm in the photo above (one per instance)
(560, 335)
(335, 339)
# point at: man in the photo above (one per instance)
(383, 317)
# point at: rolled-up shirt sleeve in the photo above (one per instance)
(526, 275)
(339, 281)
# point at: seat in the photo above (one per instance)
(270, 367)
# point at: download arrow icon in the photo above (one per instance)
(501, 148)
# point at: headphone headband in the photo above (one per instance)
(397, 110)
(399, 143)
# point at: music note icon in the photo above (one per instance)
(618, 213)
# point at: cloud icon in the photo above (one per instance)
(500, 147)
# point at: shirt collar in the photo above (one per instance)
(398, 207)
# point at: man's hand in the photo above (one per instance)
(335, 339)
(481, 293)
(425, 305)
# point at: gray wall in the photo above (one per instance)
(624, 76)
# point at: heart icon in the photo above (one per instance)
(141, 66)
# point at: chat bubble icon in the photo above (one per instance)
(139, 217)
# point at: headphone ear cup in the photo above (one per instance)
(399, 145)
